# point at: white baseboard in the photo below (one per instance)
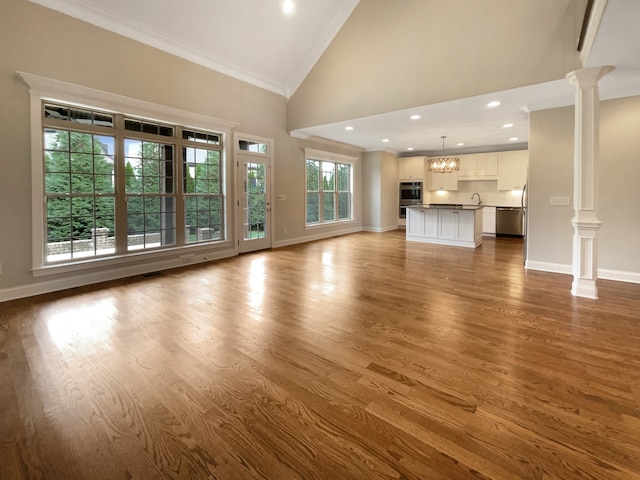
(123, 271)
(549, 267)
(380, 229)
(618, 275)
(603, 273)
(317, 236)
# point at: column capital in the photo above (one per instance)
(585, 224)
(588, 77)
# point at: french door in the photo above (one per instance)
(254, 204)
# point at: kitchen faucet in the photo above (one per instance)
(479, 197)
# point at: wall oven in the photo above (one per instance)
(410, 194)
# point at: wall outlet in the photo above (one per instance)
(0, 269)
(282, 197)
(286, 229)
(559, 201)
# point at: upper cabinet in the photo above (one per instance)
(481, 166)
(443, 181)
(411, 168)
(512, 170)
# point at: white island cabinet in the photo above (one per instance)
(457, 226)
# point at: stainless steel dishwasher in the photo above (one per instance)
(509, 222)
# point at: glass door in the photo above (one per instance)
(255, 204)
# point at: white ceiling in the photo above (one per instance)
(254, 41)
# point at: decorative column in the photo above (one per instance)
(585, 180)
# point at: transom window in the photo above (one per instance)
(329, 190)
(255, 147)
(113, 184)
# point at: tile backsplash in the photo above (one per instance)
(488, 190)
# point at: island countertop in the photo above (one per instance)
(448, 205)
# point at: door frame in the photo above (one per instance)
(239, 190)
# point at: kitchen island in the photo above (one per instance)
(457, 225)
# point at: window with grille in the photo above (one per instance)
(329, 190)
(113, 184)
(202, 187)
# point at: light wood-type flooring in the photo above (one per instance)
(358, 357)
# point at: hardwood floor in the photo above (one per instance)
(359, 357)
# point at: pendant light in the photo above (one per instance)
(444, 164)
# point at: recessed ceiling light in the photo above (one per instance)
(410, 149)
(513, 139)
(493, 104)
(415, 117)
(385, 140)
(507, 125)
(288, 7)
(348, 127)
(460, 144)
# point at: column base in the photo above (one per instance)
(582, 287)
(585, 257)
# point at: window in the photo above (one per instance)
(150, 193)
(329, 188)
(202, 186)
(111, 184)
(255, 147)
(80, 194)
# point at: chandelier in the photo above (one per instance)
(444, 164)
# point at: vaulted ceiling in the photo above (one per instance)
(252, 40)
(257, 42)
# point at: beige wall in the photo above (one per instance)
(43, 42)
(380, 191)
(549, 233)
(551, 174)
(392, 55)
(619, 236)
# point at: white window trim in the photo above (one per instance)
(330, 157)
(43, 88)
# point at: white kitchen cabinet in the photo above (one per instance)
(457, 225)
(424, 223)
(482, 166)
(411, 168)
(449, 222)
(487, 165)
(430, 228)
(460, 227)
(467, 167)
(443, 181)
(489, 221)
(415, 227)
(512, 170)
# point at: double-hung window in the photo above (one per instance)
(149, 184)
(203, 186)
(329, 183)
(115, 184)
(79, 182)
